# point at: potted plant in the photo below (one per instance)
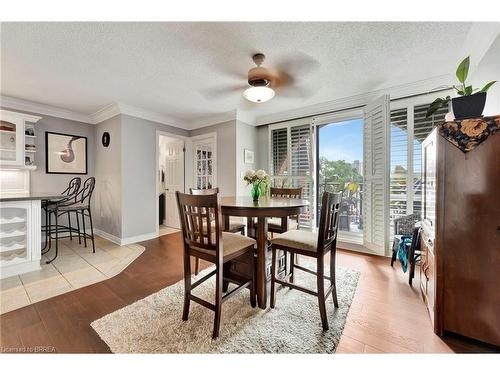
(470, 102)
(259, 181)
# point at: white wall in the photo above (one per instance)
(489, 70)
(226, 154)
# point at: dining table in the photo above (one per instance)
(261, 210)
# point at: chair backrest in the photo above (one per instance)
(204, 191)
(328, 221)
(404, 225)
(196, 213)
(286, 192)
(73, 186)
(87, 190)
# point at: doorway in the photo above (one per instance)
(340, 169)
(170, 178)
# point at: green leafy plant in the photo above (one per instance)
(463, 89)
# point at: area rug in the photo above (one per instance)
(154, 324)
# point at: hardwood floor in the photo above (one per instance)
(386, 314)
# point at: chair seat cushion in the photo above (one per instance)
(298, 239)
(232, 243)
(71, 207)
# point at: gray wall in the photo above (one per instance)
(108, 172)
(246, 138)
(262, 148)
(226, 154)
(139, 174)
(489, 70)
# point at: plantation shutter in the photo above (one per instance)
(292, 163)
(279, 152)
(301, 169)
(376, 175)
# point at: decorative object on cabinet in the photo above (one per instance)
(17, 139)
(65, 153)
(469, 103)
(470, 133)
(105, 139)
(459, 275)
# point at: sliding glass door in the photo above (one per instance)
(340, 169)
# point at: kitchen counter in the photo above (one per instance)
(30, 197)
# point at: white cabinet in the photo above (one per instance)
(19, 237)
(17, 139)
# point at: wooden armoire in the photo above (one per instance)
(460, 271)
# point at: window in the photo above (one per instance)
(291, 162)
(409, 127)
(204, 156)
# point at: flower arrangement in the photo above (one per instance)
(259, 181)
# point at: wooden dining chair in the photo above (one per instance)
(278, 224)
(315, 245)
(234, 227)
(206, 241)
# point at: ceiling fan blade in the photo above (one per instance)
(299, 65)
(215, 93)
(296, 91)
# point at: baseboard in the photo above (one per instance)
(358, 248)
(139, 238)
(108, 236)
(126, 240)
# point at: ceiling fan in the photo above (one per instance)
(264, 83)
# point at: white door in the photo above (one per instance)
(174, 180)
(376, 165)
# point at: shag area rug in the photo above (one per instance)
(154, 324)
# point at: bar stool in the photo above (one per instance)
(78, 203)
(71, 191)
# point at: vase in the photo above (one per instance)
(255, 192)
(471, 106)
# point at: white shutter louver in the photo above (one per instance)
(279, 139)
(376, 166)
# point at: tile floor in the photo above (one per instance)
(75, 267)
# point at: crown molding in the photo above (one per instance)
(412, 88)
(213, 120)
(42, 109)
(105, 113)
(152, 116)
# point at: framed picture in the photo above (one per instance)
(248, 156)
(65, 153)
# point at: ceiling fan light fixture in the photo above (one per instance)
(259, 94)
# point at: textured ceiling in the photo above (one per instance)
(165, 67)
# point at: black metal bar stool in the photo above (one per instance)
(78, 203)
(71, 191)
